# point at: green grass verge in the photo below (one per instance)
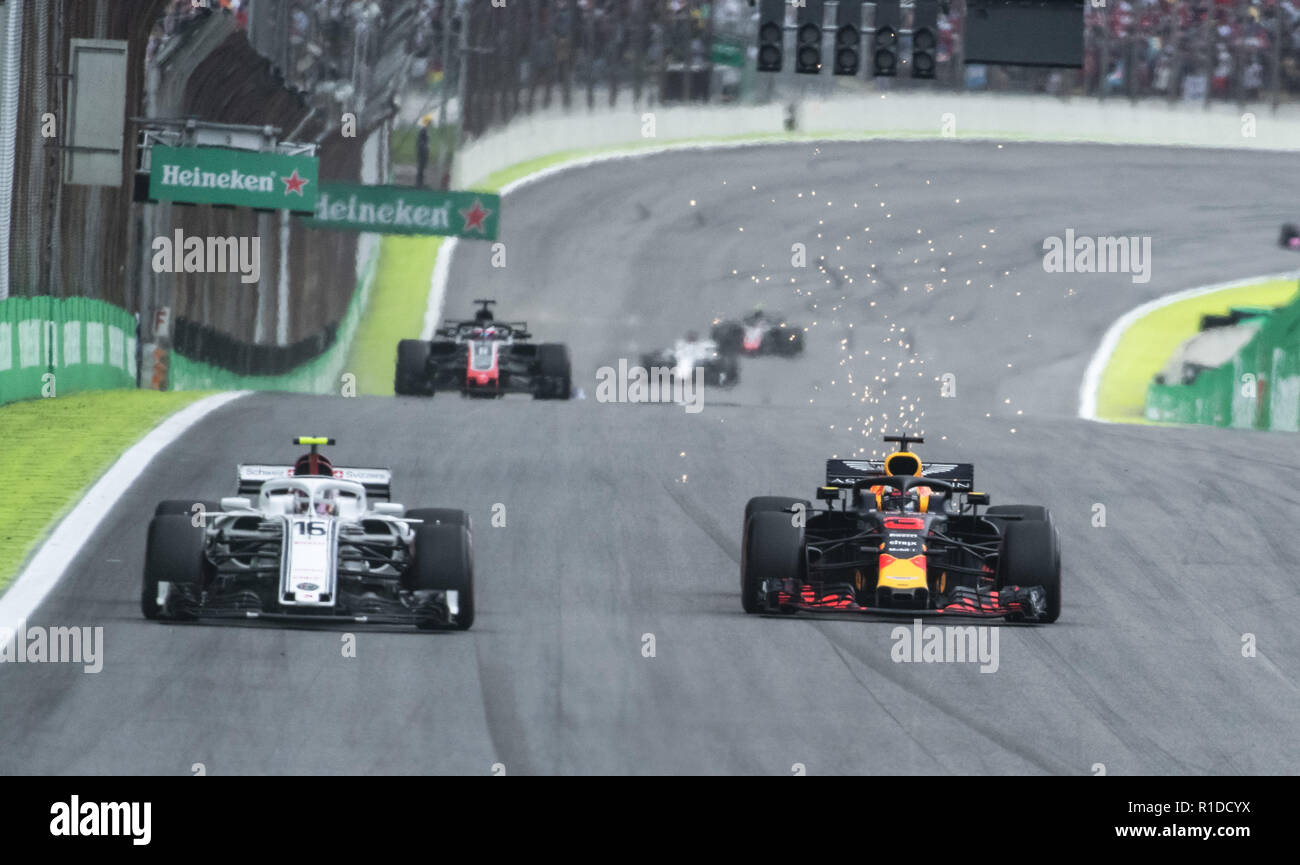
(1150, 341)
(396, 311)
(55, 449)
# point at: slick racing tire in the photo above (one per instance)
(1031, 556)
(444, 562)
(772, 550)
(724, 372)
(786, 341)
(554, 372)
(174, 554)
(440, 516)
(730, 337)
(412, 376)
(772, 503)
(174, 507)
(1024, 512)
(1290, 233)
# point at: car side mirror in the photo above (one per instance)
(828, 494)
(236, 503)
(980, 499)
(390, 509)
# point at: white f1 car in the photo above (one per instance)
(310, 542)
(720, 368)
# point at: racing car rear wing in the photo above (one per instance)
(378, 482)
(845, 473)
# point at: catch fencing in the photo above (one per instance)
(1258, 389)
(52, 346)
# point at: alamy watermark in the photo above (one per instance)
(1073, 254)
(660, 384)
(53, 645)
(949, 644)
(195, 254)
(132, 820)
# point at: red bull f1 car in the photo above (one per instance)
(483, 358)
(900, 536)
(310, 542)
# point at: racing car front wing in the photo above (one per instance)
(1028, 603)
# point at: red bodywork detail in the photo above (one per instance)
(808, 601)
(904, 523)
(485, 376)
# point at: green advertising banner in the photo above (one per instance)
(51, 346)
(241, 178)
(406, 210)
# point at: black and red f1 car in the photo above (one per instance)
(483, 357)
(907, 538)
(758, 333)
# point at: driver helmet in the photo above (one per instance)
(301, 502)
(894, 499)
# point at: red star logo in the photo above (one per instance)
(294, 183)
(475, 217)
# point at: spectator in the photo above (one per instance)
(422, 149)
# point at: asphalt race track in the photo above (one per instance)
(624, 520)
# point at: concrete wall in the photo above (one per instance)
(949, 115)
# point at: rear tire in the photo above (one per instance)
(730, 337)
(173, 554)
(444, 561)
(772, 551)
(176, 507)
(786, 342)
(554, 371)
(440, 516)
(412, 376)
(772, 503)
(1025, 512)
(1031, 556)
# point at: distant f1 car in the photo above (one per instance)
(1290, 238)
(720, 368)
(310, 542)
(483, 357)
(908, 538)
(759, 333)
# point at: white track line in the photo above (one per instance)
(58, 551)
(438, 288)
(1101, 358)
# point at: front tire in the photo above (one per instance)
(772, 551)
(554, 371)
(444, 561)
(412, 376)
(173, 554)
(1031, 556)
